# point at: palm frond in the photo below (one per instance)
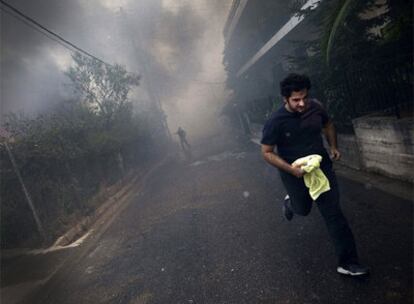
(338, 19)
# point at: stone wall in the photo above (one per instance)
(350, 152)
(386, 145)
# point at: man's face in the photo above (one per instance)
(297, 102)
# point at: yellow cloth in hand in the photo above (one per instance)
(314, 178)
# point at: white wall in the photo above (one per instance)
(386, 145)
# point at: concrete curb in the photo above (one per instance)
(82, 227)
(395, 187)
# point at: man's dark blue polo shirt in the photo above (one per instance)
(296, 134)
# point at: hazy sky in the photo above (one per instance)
(176, 45)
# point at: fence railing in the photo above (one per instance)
(385, 88)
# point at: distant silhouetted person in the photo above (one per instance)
(183, 141)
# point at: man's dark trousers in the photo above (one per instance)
(329, 207)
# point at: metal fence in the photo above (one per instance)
(384, 88)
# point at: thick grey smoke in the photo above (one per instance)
(176, 45)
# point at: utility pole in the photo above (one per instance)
(153, 94)
(39, 226)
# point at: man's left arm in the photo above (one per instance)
(330, 134)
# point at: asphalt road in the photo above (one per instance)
(211, 230)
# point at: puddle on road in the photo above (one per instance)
(220, 157)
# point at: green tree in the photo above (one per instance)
(103, 87)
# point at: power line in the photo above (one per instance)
(36, 29)
(48, 33)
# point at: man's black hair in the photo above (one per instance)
(294, 83)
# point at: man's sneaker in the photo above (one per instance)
(353, 270)
(287, 211)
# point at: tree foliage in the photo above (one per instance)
(105, 88)
(363, 31)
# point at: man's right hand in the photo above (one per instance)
(275, 160)
(298, 172)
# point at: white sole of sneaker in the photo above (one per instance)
(347, 272)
